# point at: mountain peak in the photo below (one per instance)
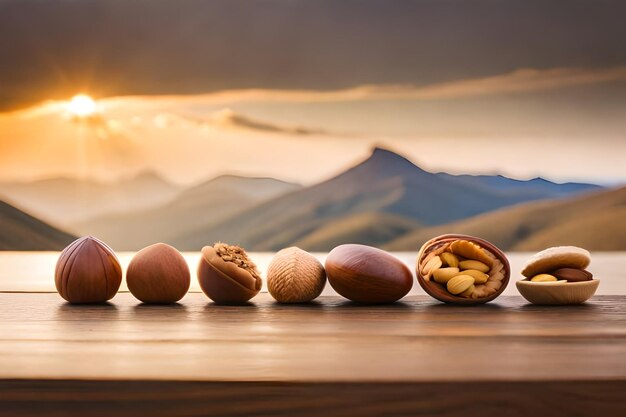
(386, 158)
(382, 163)
(379, 151)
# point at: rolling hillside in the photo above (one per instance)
(365, 228)
(384, 183)
(596, 221)
(65, 201)
(20, 231)
(193, 209)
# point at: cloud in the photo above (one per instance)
(520, 81)
(515, 82)
(54, 49)
(228, 118)
(225, 119)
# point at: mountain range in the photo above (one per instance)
(192, 209)
(64, 201)
(21, 231)
(385, 200)
(594, 220)
(386, 192)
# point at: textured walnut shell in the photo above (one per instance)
(158, 274)
(225, 282)
(367, 275)
(295, 276)
(87, 272)
(438, 291)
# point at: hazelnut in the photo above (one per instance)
(480, 274)
(295, 276)
(226, 274)
(367, 275)
(158, 274)
(87, 272)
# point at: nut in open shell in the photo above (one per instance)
(227, 275)
(474, 255)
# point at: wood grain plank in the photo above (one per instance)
(166, 398)
(417, 340)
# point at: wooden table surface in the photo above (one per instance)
(331, 357)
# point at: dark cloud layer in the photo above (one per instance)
(50, 49)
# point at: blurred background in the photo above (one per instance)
(312, 123)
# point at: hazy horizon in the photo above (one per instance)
(188, 139)
(363, 156)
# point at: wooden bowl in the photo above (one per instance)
(438, 291)
(557, 293)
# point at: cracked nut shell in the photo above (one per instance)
(226, 274)
(87, 272)
(480, 254)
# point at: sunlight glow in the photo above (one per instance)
(81, 105)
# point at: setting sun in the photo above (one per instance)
(81, 105)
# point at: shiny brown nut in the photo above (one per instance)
(572, 274)
(227, 275)
(367, 275)
(87, 272)
(158, 274)
(475, 252)
(295, 276)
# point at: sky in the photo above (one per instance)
(300, 90)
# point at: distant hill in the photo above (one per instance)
(20, 231)
(384, 183)
(65, 201)
(191, 210)
(366, 228)
(595, 221)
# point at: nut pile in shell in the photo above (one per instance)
(238, 256)
(559, 264)
(464, 269)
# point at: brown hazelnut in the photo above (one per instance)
(227, 275)
(461, 269)
(295, 276)
(367, 275)
(87, 272)
(158, 274)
